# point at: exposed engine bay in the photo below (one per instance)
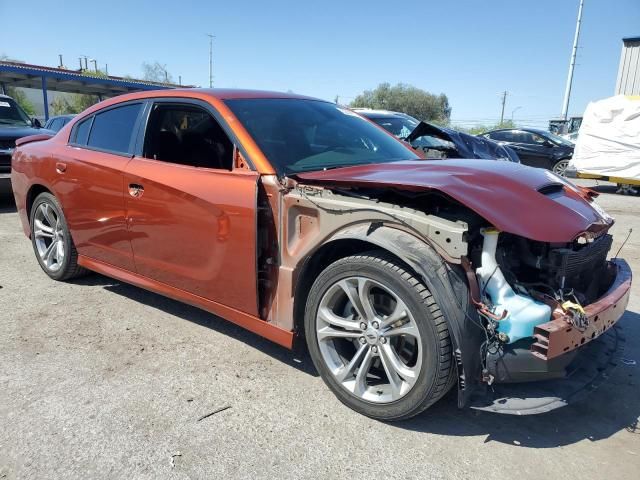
(520, 283)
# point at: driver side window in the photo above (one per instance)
(187, 135)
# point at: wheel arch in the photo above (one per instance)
(447, 282)
(33, 192)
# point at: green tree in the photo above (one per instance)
(407, 99)
(156, 72)
(72, 104)
(21, 99)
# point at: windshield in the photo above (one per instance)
(558, 139)
(12, 114)
(298, 135)
(402, 126)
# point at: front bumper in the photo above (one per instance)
(562, 364)
(557, 337)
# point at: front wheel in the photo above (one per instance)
(377, 337)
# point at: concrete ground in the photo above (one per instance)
(103, 380)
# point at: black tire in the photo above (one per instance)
(437, 370)
(68, 267)
(560, 167)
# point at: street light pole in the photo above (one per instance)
(572, 63)
(211, 37)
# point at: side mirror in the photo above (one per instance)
(549, 143)
(36, 123)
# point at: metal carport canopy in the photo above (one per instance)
(71, 81)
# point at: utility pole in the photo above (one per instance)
(504, 101)
(95, 64)
(572, 63)
(211, 37)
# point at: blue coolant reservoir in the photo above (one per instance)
(523, 312)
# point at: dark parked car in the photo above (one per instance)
(56, 123)
(535, 147)
(435, 141)
(14, 124)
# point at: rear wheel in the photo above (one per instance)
(51, 239)
(377, 337)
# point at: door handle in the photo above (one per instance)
(61, 167)
(136, 190)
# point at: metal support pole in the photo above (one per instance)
(211, 37)
(504, 101)
(45, 99)
(572, 63)
(3, 89)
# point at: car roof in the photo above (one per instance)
(216, 95)
(539, 131)
(66, 115)
(370, 112)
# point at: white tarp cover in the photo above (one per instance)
(609, 139)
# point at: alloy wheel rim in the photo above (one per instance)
(561, 167)
(49, 237)
(369, 340)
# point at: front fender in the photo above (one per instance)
(446, 282)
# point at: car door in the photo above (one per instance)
(191, 215)
(522, 142)
(535, 149)
(89, 181)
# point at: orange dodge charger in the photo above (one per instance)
(299, 219)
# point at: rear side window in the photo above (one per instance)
(112, 130)
(81, 132)
(504, 136)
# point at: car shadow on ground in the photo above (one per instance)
(607, 411)
(298, 358)
(613, 408)
(7, 203)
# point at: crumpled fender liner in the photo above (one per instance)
(447, 283)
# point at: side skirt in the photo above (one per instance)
(253, 324)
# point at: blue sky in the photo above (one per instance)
(469, 49)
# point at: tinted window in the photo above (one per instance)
(400, 127)
(12, 114)
(56, 124)
(112, 130)
(187, 135)
(528, 138)
(82, 131)
(505, 136)
(300, 135)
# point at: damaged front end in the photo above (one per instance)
(543, 305)
(535, 268)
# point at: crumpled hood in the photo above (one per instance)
(531, 202)
(466, 145)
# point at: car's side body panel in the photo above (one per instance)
(86, 179)
(195, 229)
